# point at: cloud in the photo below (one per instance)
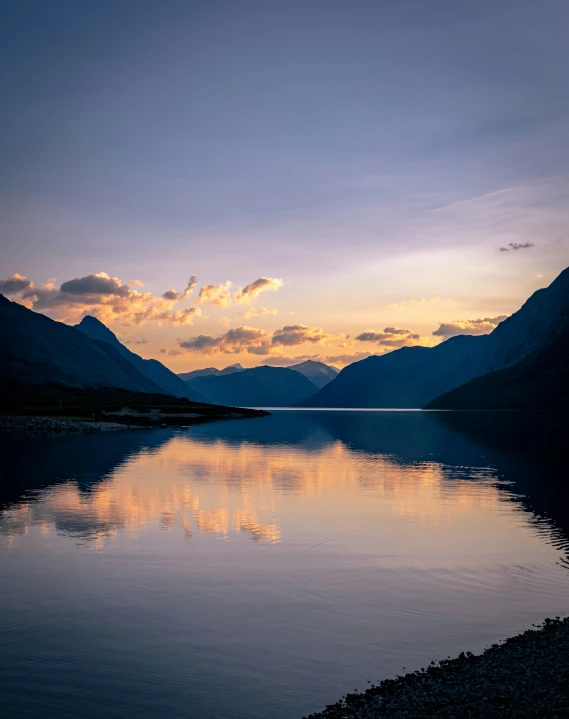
(254, 340)
(171, 352)
(103, 296)
(14, 285)
(412, 306)
(219, 295)
(291, 335)
(513, 246)
(141, 341)
(253, 290)
(254, 311)
(390, 337)
(468, 327)
(234, 341)
(396, 331)
(99, 284)
(175, 296)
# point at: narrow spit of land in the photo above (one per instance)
(57, 409)
(526, 676)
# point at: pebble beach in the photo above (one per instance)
(526, 676)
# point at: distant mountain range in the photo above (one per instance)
(416, 376)
(257, 387)
(318, 373)
(210, 372)
(39, 350)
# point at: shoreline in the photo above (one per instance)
(524, 676)
(38, 426)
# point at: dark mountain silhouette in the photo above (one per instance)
(318, 373)
(415, 376)
(38, 349)
(256, 387)
(537, 382)
(153, 370)
(208, 371)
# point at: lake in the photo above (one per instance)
(259, 569)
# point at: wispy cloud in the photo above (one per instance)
(513, 246)
(256, 311)
(390, 337)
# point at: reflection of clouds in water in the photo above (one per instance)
(226, 489)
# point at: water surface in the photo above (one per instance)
(259, 569)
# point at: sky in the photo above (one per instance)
(261, 182)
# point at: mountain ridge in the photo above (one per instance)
(412, 377)
(37, 349)
(154, 370)
(262, 386)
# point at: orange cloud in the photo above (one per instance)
(255, 311)
(219, 295)
(103, 296)
(390, 337)
(254, 340)
(253, 290)
(468, 327)
(234, 341)
(291, 335)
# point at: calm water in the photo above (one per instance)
(259, 569)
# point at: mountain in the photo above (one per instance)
(257, 387)
(209, 371)
(415, 376)
(318, 373)
(153, 370)
(540, 381)
(38, 349)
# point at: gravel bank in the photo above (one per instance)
(49, 426)
(526, 676)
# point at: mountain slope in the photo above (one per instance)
(540, 381)
(37, 349)
(318, 373)
(414, 376)
(155, 371)
(256, 387)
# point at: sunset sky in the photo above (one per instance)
(255, 181)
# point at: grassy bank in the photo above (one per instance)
(526, 676)
(67, 406)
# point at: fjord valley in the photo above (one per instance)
(284, 340)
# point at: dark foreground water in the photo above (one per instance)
(259, 569)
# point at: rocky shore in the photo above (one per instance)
(52, 426)
(525, 676)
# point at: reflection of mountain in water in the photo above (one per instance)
(227, 477)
